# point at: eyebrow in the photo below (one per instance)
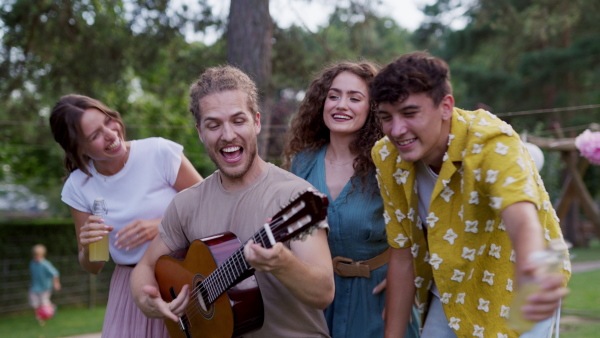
(350, 91)
(405, 108)
(412, 106)
(210, 119)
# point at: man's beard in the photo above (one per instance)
(227, 171)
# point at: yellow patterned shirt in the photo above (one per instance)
(467, 251)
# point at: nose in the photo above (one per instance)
(228, 134)
(109, 134)
(342, 103)
(398, 127)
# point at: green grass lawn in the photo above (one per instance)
(591, 253)
(66, 322)
(584, 299)
(581, 308)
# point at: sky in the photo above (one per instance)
(286, 12)
(314, 13)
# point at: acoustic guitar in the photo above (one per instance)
(225, 300)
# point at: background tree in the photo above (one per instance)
(249, 45)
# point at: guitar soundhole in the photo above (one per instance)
(206, 310)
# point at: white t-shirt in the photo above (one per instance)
(141, 190)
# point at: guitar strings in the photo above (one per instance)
(191, 309)
(194, 310)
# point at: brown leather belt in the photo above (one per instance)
(346, 267)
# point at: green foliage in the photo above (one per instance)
(134, 58)
(18, 237)
(519, 55)
(353, 33)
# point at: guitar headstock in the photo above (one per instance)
(300, 216)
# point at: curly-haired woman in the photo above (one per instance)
(329, 144)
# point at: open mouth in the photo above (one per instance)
(116, 143)
(406, 142)
(232, 153)
(341, 117)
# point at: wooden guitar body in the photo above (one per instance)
(237, 311)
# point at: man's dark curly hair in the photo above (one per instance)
(412, 73)
(309, 132)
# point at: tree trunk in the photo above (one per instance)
(249, 44)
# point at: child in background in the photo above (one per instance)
(44, 278)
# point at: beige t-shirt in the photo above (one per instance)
(207, 209)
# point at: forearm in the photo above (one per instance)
(84, 261)
(400, 293)
(143, 275)
(56, 282)
(144, 287)
(525, 232)
(313, 285)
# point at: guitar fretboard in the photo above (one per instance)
(231, 271)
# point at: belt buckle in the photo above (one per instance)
(350, 268)
(340, 259)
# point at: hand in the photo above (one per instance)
(265, 260)
(57, 285)
(380, 287)
(137, 233)
(93, 230)
(542, 304)
(155, 306)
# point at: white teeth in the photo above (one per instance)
(114, 144)
(344, 117)
(230, 149)
(405, 142)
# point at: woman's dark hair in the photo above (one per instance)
(412, 73)
(309, 132)
(65, 122)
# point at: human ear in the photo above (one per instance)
(199, 133)
(257, 122)
(447, 105)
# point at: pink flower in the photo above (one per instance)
(588, 144)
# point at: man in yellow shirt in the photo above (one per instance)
(464, 209)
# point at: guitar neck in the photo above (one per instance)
(292, 221)
(233, 269)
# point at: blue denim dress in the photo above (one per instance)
(357, 231)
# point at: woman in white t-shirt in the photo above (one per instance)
(137, 180)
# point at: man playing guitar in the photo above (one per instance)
(296, 277)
